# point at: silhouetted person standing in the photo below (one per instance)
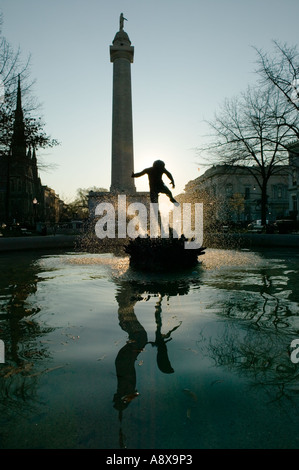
(156, 184)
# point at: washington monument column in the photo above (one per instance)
(122, 158)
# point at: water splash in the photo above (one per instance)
(118, 265)
(217, 258)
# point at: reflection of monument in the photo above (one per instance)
(122, 156)
(125, 360)
(128, 294)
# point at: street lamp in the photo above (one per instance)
(35, 202)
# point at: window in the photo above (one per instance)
(294, 176)
(229, 189)
(279, 191)
(294, 202)
(247, 193)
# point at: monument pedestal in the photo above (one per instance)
(122, 155)
(95, 198)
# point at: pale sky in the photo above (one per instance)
(189, 56)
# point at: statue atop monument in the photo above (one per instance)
(121, 21)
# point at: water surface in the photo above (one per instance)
(100, 356)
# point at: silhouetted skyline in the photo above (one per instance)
(189, 56)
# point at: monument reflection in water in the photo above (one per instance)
(101, 356)
(129, 293)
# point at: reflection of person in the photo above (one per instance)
(127, 356)
(161, 340)
(156, 184)
(127, 296)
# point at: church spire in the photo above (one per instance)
(19, 98)
(34, 155)
(18, 144)
(34, 169)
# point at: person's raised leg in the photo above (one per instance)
(168, 193)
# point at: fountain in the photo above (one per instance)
(147, 252)
(162, 254)
(101, 355)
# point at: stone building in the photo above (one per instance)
(294, 180)
(23, 198)
(50, 206)
(20, 185)
(231, 193)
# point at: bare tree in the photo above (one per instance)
(250, 131)
(79, 207)
(12, 66)
(281, 70)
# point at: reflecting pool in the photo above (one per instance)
(100, 356)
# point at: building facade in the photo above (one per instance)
(24, 200)
(231, 193)
(294, 180)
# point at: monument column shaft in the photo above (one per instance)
(122, 128)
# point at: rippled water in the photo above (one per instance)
(100, 356)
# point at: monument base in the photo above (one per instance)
(89, 241)
(162, 254)
(95, 198)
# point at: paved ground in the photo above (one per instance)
(37, 242)
(251, 240)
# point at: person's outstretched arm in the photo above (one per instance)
(141, 173)
(169, 176)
